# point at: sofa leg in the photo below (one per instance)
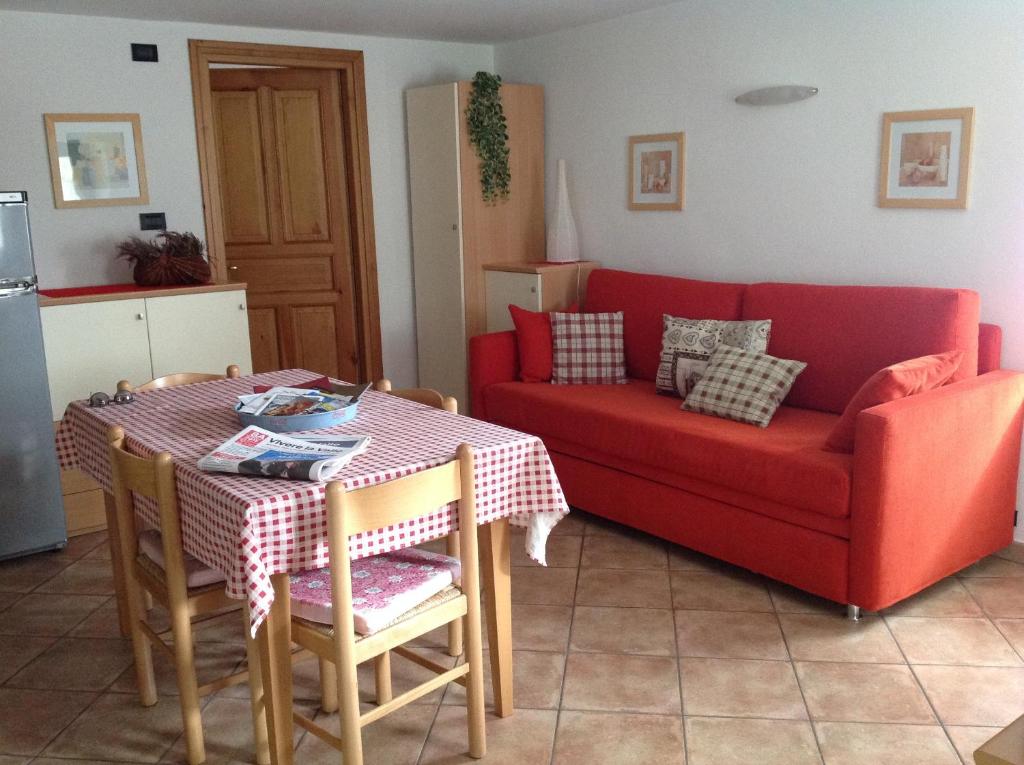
(853, 613)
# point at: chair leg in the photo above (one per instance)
(853, 613)
(348, 701)
(382, 674)
(455, 628)
(259, 708)
(475, 689)
(142, 649)
(328, 687)
(185, 665)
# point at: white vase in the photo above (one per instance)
(563, 242)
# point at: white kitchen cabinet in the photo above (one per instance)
(533, 286)
(93, 341)
(198, 333)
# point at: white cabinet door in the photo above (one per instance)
(90, 346)
(504, 287)
(204, 332)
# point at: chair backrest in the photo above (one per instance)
(386, 504)
(181, 378)
(153, 478)
(427, 396)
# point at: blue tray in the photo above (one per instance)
(296, 422)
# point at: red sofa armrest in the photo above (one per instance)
(493, 358)
(934, 485)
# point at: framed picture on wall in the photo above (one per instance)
(657, 171)
(926, 158)
(96, 160)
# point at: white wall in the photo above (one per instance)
(788, 192)
(58, 63)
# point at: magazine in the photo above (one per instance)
(282, 401)
(255, 451)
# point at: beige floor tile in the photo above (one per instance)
(967, 738)
(623, 630)
(623, 552)
(560, 551)
(25, 574)
(574, 524)
(841, 692)
(150, 731)
(5, 760)
(226, 628)
(683, 559)
(396, 739)
(952, 641)
(815, 637)
(733, 741)
(1014, 552)
(597, 526)
(227, 733)
(729, 635)
(45, 614)
(585, 738)
(84, 577)
(540, 628)
(536, 681)
(76, 664)
(723, 591)
(945, 598)
(100, 552)
(974, 695)
(213, 660)
(305, 682)
(1013, 630)
(741, 688)
(103, 622)
(544, 586)
(861, 744)
(83, 544)
(9, 598)
(608, 587)
(790, 600)
(30, 719)
(996, 567)
(617, 683)
(405, 675)
(525, 738)
(998, 597)
(16, 653)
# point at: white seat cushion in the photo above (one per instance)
(383, 587)
(197, 573)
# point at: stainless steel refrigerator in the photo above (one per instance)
(31, 508)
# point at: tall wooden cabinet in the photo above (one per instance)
(454, 232)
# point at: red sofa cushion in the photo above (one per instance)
(783, 463)
(846, 334)
(533, 338)
(889, 384)
(644, 298)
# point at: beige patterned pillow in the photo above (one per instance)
(687, 345)
(743, 385)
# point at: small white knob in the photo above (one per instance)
(241, 306)
(139, 317)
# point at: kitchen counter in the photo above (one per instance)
(100, 292)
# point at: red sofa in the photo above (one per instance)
(929, 489)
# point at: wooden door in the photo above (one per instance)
(286, 215)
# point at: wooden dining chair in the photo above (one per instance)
(180, 378)
(362, 610)
(438, 400)
(155, 563)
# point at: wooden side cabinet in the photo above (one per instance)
(93, 341)
(533, 286)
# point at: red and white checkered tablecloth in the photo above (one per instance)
(250, 528)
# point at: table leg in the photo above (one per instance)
(497, 556)
(117, 565)
(274, 643)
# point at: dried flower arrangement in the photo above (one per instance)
(178, 259)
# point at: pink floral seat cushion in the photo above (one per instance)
(197, 573)
(383, 587)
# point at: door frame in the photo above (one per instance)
(349, 65)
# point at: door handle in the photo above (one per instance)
(232, 268)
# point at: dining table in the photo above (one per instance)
(257, 531)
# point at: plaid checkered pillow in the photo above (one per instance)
(587, 348)
(745, 386)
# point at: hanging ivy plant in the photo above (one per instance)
(488, 132)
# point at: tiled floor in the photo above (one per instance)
(627, 650)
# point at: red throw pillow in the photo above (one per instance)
(533, 336)
(895, 382)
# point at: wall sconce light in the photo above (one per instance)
(779, 94)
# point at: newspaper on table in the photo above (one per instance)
(255, 451)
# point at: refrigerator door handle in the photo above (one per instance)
(17, 287)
